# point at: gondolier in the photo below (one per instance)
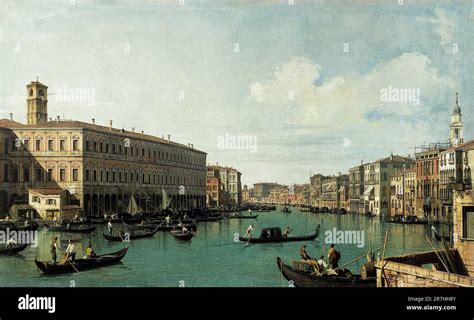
(110, 227)
(53, 248)
(251, 228)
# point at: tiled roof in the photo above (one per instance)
(49, 191)
(73, 124)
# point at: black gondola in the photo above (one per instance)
(275, 235)
(81, 264)
(97, 220)
(131, 235)
(306, 279)
(85, 229)
(242, 216)
(12, 249)
(182, 235)
(19, 226)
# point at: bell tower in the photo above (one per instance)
(456, 126)
(37, 102)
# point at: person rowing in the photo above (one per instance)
(248, 234)
(69, 254)
(286, 232)
(304, 255)
(53, 247)
(110, 227)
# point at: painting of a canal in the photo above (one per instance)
(237, 144)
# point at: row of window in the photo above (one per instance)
(96, 176)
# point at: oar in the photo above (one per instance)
(77, 271)
(357, 259)
(436, 252)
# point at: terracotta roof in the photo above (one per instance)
(73, 124)
(7, 123)
(395, 159)
(467, 146)
(49, 191)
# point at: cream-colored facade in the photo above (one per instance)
(101, 167)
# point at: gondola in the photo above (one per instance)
(85, 229)
(19, 226)
(81, 264)
(131, 236)
(239, 216)
(406, 220)
(370, 214)
(275, 235)
(15, 248)
(209, 218)
(306, 279)
(286, 210)
(182, 235)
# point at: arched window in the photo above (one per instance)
(31, 92)
(41, 93)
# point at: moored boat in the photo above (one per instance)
(80, 229)
(81, 264)
(182, 235)
(131, 235)
(309, 279)
(275, 235)
(286, 210)
(12, 249)
(242, 216)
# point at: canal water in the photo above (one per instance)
(212, 258)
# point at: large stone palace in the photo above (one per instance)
(98, 167)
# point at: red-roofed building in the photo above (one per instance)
(101, 167)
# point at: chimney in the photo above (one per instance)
(361, 162)
(93, 121)
(143, 132)
(391, 156)
(50, 119)
(192, 146)
(169, 138)
(110, 124)
(58, 119)
(11, 116)
(133, 129)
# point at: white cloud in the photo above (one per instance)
(348, 99)
(445, 25)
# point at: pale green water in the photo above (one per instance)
(212, 258)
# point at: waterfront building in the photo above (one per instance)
(356, 189)
(299, 194)
(316, 190)
(230, 184)
(101, 167)
(262, 190)
(4, 168)
(335, 191)
(377, 182)
(246, 194)
(213, 188)
(409, 197)
(397, 193)
(428, 202)
(279, 195)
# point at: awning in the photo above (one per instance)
(368, 190)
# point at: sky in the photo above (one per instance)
(277, 89)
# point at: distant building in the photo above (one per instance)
(335, 192)
(356, 189)
(409, 196)
(397, 187)
(299, 194)
(213, 187)
(262, 190)
(316, 190)
(229, 186)
(377, 182)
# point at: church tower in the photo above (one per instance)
(37, 103)
(456, 126)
